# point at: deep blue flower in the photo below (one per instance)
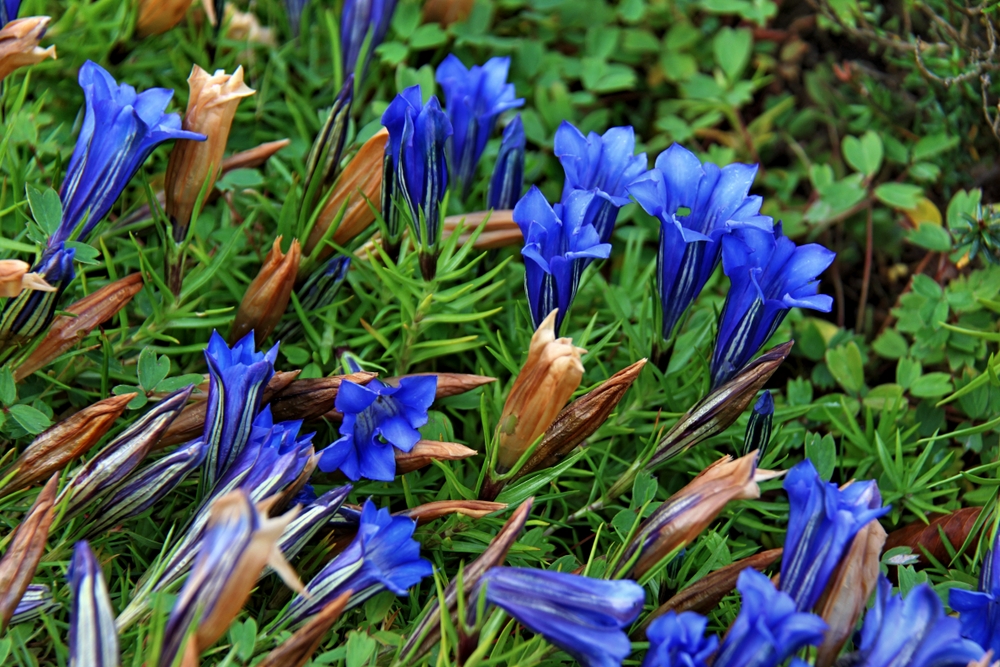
(758, 433)
(716, 201)
(768, 629)
(30, 312)
(378, 418)
(678, 640)
(418, 134)
(558, 246)
(93, 639)
(822, 521)
(473, 98)
(120, 129)
(912, 632)
(237, 377)
(979, 610)
(8, 11)
(383, 556)
(584, 617)
(604, 165)
(508, 172)
(356, 20)
(769, 275)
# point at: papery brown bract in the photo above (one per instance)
(547, 380)
(85, 316)
(474, 509)
(64, 442)
(500, 230)
(155, 17)
(253, 157)
(211, 107)
(446, 12)
(267, 296)
(360, 182)
(20, 560)
(426, 451)
(19, 44)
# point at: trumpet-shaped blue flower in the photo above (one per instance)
(418, 134)
(383, 556)
(93, 639)
(30, 312)
(120, 129)
(912, 632)
(604, 165)
(822, 522)
(979, 610)
(716, 200)
(768, 629)
(678, 640)
(378, 418)
(558, 245)
(356, 20)
(473, 98)
(237, 377)
(584, 617)
(769, 275)
(508, 172)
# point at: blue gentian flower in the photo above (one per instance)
(8, 11)
(979, 610)
(822, 521)
(768, 629)
(678, 640)
(93, 639)
(473, 98)
(758, 433)
(769, 275)
(30, 312)
(237, 377)
(356, 20)
(508, 172)
(120, 129)
(378, 418)
(558, 246)
(716, 200)
(912, 632)
(604, 165)
(584, 617)
(383, 556)
(418, 134)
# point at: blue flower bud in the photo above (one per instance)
(507, 181)
(93, 639)
(758, 433)
(30, 312)
(356, 20)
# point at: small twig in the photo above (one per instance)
(866, 276)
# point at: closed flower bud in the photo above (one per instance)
(93, 639)
(86, 314)
(428, 630)
(360, 183)
(474, 509)
(310, 399)
(758, 434)
(37, 600)
(111, 466)
(64, 442)
(19, 44)
(847, 594)
(211, 107)
(716, 412)
(580, 419)
(14, 278)
(25, 550)
(323, 162)
(297, 649)
(239, 541)
(547, 380)
(268, 294)
(500, 230)
(426, 451)
(155, 17)
(681, 518)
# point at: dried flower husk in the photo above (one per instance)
(297, 649)
(15, 278)
(500, 230)
(19, 562)
(19, 44)
(155, 17)
(267, 296)
(426, 451)
(474, 509)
